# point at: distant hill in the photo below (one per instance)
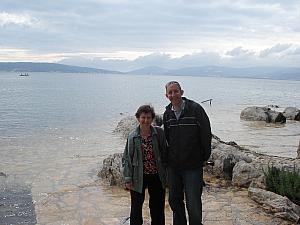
(219, 71)
(49, 67)
(150, 70)
(284, 73)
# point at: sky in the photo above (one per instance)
(130, 34)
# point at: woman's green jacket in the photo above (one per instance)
(132, 160)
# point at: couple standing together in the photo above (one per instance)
(179, 150)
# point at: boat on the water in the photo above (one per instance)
(24, 75)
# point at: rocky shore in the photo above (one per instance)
(234, 165)
(267, 114)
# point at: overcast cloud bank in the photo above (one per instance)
(128, 34)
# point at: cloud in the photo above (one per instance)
(23, 55)
(16, 19)
(237, 57)
(201, 31)
(239, 51)
(275, 49)
(296, 51)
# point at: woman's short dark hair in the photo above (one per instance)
(145, 109)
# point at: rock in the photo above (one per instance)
(292, 113)
(259, 182)
(243, 173)
(111, 169)
(275, 117)
(228, 164)
(255, 113)
(277, 204)
(2, 174)
(273, 106)
(128, 123)
(225, 157)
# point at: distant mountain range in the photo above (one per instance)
(218, 71)
(49, 67)
(286, 73)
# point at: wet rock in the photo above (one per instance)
(273, 106)
(292, 113)
(255, 113)
(277, 204)
(2, 174)
(275, 117)
(111, 170)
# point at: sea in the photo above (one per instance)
(56, 128)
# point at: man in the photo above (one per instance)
(188, 133)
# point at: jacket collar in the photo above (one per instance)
(169, 107)
(137, 132)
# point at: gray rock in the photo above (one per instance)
(259, 182)
(255, 113)
(126, 125)
(111, 170)
(243, 174)
(292, 113)
(225, 157)
(277, 204)
(2, 174)
(228, 164)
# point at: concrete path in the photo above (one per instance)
(98, 204)
(229, 206)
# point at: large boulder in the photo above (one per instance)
(225, 156)
(277, 204)
(111, 170)
(243, 174)
(255, 113)
(292, 113)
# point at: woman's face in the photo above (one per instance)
(145, 119)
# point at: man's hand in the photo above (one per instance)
(128, 186)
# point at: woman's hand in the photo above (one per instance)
(128, 186)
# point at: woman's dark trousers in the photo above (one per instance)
(156, 201)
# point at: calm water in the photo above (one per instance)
(55, 129)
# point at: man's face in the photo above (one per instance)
(174, 93)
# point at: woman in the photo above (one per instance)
(144, 167)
